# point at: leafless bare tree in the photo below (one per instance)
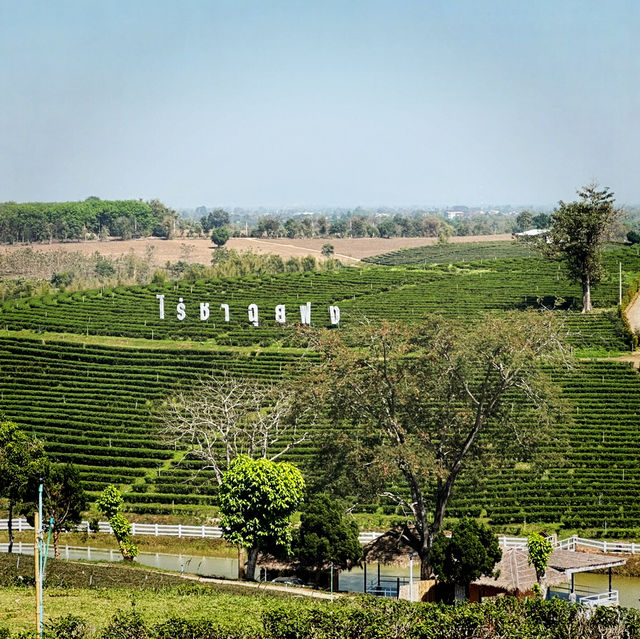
(223, 417)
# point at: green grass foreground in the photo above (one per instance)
(128, 602)
(155, 595)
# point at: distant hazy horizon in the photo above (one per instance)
(283, 104)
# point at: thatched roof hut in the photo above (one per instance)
(516, 576)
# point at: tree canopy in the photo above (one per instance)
(471, 551)
(418, 404)
(110, 503)
(539, 549)
(223, 417)
(22, 461)
(257, 498)
(64, 499)
(578, 232)
(326, 536)
(220, 236)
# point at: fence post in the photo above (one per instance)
(604, 547)
(203, 532)
(156, 530)
(133, 528)
(179, 530)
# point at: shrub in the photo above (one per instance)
(67, 627)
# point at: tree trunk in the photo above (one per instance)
(10, 525)
(425, 564)
(252, 560)
(586, 294)
(56, 537)
(542, 582)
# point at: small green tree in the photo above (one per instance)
(633, 237)
(22, 461)
(327, 250)
(257, 498)
(110, 504)
(471, 551)
(220, 236)
(326, 536)
(524, 221)
(62, 280)
(539, 549)
(64, 499)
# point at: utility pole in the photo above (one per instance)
(36, 554)
(620, 281)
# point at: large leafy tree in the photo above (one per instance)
(22, 461)
(214, 220)
(419, 404)
(326, 535)
(578, 231)
(471, 551)
(257, 498)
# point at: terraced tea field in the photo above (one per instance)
(466, 290)
(452, 253)
(600, 481)
(95, 405)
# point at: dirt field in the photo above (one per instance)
(199, 250)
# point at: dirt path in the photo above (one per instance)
(297, 248)
(262, 585)
(633, 313)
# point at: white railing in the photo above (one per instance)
(512, 542)
(602, 599)
(368, 536)
(157, 530)
(571, 543)
(621, 547)
(214, 532)
(160, 530)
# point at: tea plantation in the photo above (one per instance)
(94, 404)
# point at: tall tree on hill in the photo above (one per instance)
(578, 231)
(417, 405)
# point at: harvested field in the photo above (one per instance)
(350, 250)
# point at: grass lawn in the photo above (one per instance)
(98, 605)
(156, 596)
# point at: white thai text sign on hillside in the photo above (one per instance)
(253, 313)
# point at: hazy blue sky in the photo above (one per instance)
(339, 103)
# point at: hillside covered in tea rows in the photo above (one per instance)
(465, 290)
(96, 404)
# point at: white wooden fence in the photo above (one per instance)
(214, 532)
(571, 543)
(160, 530)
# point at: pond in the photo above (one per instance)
(223, 567)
